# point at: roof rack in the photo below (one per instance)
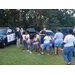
(4, 27)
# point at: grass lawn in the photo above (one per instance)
(11, 55)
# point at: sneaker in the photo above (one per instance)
(62, 49)
(30, 52)
(38, 53)
(47, 54)
(74, 63)
(41, 52)
(23, 50)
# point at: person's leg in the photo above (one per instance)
(19, 42)
(59, 49)
(47, 48)
(43, 46)
(64, 53)
(69, 56)
(55, 48)
(32, 49)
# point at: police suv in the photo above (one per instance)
(7, 36)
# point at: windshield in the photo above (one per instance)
(3, 31)
(51, 33)
(31, 30)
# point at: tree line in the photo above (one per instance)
(37, 18)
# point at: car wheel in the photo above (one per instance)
(4, 44)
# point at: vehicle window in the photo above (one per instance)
(9, 31)
(3, 31)
(51, 33)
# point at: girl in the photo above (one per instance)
(24, 41)
(35, 45)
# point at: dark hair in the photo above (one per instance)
(70, 31)
(23, 32)
(47, 33)
(59, 30)
(34, 35)
(27, 31)
(66, 32)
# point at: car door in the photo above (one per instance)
(13, 35)
(9, 35)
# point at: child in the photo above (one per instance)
(46, 43)
(35, 44)
(24, 41)
(28, 38)
(51, 45)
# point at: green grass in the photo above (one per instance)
(11, 55)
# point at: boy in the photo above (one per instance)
(46, 43)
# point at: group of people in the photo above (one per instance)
(45, 40)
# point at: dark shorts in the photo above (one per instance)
(24, 43)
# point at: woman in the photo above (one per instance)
(68, 47)
(58, 39)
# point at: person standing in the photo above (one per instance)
(43, 34)
(21, 34)
(18, 36)
(68, 47)
(58, 40)
(46, 43)
(28, 38)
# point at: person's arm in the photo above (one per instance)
(55, 37)
(65, 41)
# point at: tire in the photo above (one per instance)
(4, 44)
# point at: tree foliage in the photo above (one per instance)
(37, 18)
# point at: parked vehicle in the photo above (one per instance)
(7, 36)
(31, 32)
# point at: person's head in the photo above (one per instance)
(21, 28)
(34, 35)
(70, 31)
(44, 29)
(74, 30)
(66, 33)
(27, 32)
(58, 30)
(47, 34)
(37, 33)
(23, 32)
(18, 29)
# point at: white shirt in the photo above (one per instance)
(21, 32)
(69, 40)
(59, 37)
(27, 36)
(47, 39)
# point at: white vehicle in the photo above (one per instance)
(48, 31)
(7, 35)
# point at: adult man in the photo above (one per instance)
(43, 33)
(18, 36)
